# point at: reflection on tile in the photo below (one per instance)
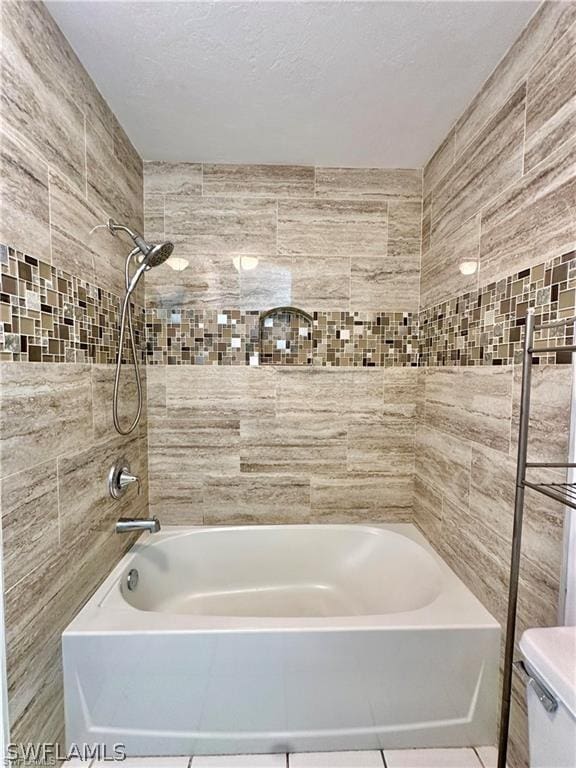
(208, 281)
(533, 220)
(219, 225)
(172, 178)
(336, 760)
(42, 406)
(369, 183)
(551, 111)
(24, 187)
(264, 284)
(490, 164)
(259, 180)
(29, 503)
(475, 402)
(441, 277)
(431, 758)
(308, 227)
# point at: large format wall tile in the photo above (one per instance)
(369, 184)
(25, 205)
(258, 180)
(42, 405)
(219, 225)
(172, 178)
(332, 227)
(551, 101)
(490, 164)
(533, 220)
(475, 402)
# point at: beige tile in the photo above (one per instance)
(102, 394)
(540, 35)
(220, 225)
(377, 282)
(385, 446)
(175, 499)
(441, 278)
(551, 99)
(29, 503)
(156, 390)
(369, 183)
(550, 403)
(46, 410)
(488, 756)
(533, 220)
(265, 284)
(38, 85)
(428, 510)
(259, 499)
(440, 163)
(474, 402)
(81, 514)
(361, 498)
(403, 390)
(321, 282)
(24, 223)
(489, 165)
(154, 218)
(172, 178)
(332, 227)
(219, 392)
(426, 223)
(208, 281)
(443, 463)
(431, 758)
(259, 180)
(240, 761)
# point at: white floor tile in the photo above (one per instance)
(488, 756)
(144, 762)
(431, 758)
(239, 761)
(336, 760)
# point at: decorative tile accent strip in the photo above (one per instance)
(50, 316)
(484, 327)
(230, 337)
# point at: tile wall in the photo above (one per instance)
(65, 166)
(314, 421)
(500, 193)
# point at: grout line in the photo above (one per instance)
(383, 758)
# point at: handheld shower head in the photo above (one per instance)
(152, 254)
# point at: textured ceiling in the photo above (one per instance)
(325, 83)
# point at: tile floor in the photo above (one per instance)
(481, 757)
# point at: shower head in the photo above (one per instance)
(147, 254)
(152, 254)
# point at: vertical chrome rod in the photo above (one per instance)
(516, 540)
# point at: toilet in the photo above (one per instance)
(550, 664)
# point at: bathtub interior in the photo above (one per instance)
(283, 571)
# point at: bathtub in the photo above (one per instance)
(281, 638)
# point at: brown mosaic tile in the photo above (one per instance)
(50, 316)
(231, 337)
(484, 326)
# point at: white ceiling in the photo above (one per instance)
(338, 82)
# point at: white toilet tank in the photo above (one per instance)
(550, 656)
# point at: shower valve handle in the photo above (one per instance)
(120, 478)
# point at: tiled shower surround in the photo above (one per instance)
(399, 403)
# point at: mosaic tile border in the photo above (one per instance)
(50, 316)
(484, 326)
(230, 337)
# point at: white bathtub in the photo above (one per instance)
(282, 638)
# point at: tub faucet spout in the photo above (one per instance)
(129, 524)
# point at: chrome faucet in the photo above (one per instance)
(129, 524)
(120, 478)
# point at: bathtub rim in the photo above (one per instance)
(106, 611)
